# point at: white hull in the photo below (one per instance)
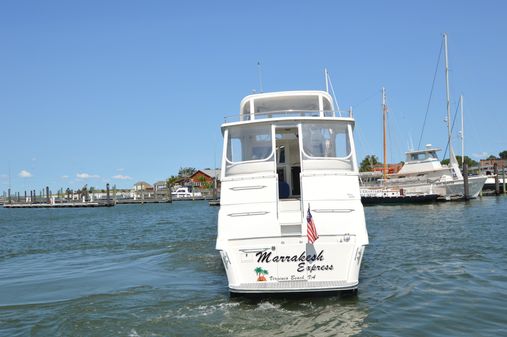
(324, 266)
(475, 185)
(447, 190)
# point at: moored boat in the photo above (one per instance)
(392, 196)
(422, 171)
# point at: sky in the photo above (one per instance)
(95, 92)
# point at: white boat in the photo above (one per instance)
(289, 165)
(422, 171)
(385, 195)
(381, 192)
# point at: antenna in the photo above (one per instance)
(259, 71)
(327, 80)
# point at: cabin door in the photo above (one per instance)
(287, 162)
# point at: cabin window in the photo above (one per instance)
(417, 156)
(247, 143)
(324, 140)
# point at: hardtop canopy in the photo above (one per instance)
(307, 101)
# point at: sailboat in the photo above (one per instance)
(387, 193)
(422, 171)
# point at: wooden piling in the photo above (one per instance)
(107, 194)
(503, 180)
(497, 184)
(9, 196)
(48, 198)
(465, 181)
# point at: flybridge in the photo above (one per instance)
(287, 104)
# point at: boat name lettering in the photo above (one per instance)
(265, 257)
(312, 268)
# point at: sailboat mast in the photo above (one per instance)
(384, 111)
(447, 95)
(462, 130)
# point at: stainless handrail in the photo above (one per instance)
(285, 113)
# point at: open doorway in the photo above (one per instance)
(288, 165)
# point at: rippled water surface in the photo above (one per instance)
(152, 270)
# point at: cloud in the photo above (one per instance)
(122, 177)
(481, 155)
(24, 174)
(120, 169)
(65, 177)
(86, 176)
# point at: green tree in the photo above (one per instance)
(186, 172)
(368, 162)
(470, 162)
(503, 154)
(491, 157)
(169, 183)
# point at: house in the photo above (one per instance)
(204, 178)
(487, 165)
(142, 189)
(160, 188)
(142, 186)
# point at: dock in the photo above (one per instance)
(214, 202)
(58, 205)
(142, 201)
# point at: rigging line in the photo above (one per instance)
(375, 94)
(431, 94)
(452, 128)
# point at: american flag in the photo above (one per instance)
(311, 230)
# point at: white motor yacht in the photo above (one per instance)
(291, 218)
(422, 172)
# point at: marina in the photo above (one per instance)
(59, 205)
(190, 169)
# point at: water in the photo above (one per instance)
(152, 270)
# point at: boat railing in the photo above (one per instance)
(379, 182)
(286, 113)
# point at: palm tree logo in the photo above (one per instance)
(260, 274)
